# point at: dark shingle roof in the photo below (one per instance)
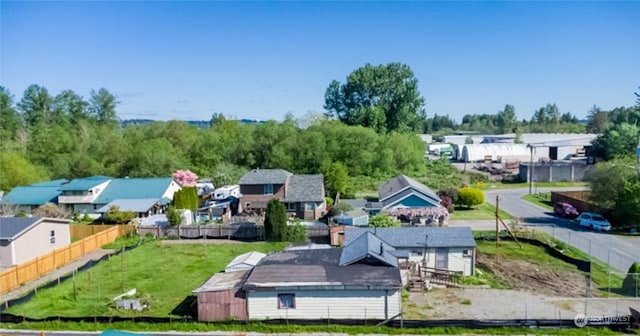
(318, 268)
(415, 236)
(12, 227)
(304, 188)
(400, 182)
(265, 176)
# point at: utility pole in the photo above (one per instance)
(530, 169)
(497, 218)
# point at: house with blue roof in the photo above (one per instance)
(409, 199)
(94, 195)
(28, 198)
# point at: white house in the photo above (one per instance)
(358, 281)
(25, 238)
(445, 248)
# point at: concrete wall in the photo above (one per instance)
(322, 304)
(554, 172)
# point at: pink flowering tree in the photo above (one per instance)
(185, 178)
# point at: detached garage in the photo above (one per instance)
(354, 217)
(222, 298)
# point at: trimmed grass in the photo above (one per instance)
(483, 211)
(542, 200)
(511, 250)
(163, 274)
(270, 328)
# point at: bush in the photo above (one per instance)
(173, 216)
(470, 197)
(383, 220)
(21, 213)
(452, 193)
(296, 233)
(339, 208)
(632, 280)
(328, 200)
(114, 215)
(50, 210)
(86, 217)
(447, 203)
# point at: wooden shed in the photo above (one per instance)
(221, 297)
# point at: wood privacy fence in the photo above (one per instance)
(247, 231)
(82, 231)
(579, 199)
(17, 275)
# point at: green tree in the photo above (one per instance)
(186, 198)
(103, 107)
(631, 283)
(383, 97)
(336, 177)
(217, 119)
(275, 221)
(619, 140)
(173, 216)
(16, 170)
(597, 120)
(506, 119)
(69, 106)
(117, 216)
(383, 220)
(637, 94)
(615, 187)
(9, 118)
(470, 197)
(35, 105)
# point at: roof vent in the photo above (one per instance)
(381, 248)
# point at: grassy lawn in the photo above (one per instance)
(164, 274)
(288, 329)
(483, 211)
(532, 253)
(541, 199)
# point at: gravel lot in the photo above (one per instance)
(473, 303)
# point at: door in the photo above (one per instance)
(553, 153)
(442, 257)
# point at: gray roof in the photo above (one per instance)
(265, 176)
(354, 203)
(369, 248)
(401, 182)
(12, 227)
(312, 268)
(304, 188)
(223, 281)
(135, 205)
(399, 237)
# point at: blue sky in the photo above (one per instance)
(187, 60)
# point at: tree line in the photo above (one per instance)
(40, 140)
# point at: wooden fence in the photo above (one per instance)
(579, 199)
(81, 231)
(246, 231)
(17, 275)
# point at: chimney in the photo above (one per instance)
(381, 248)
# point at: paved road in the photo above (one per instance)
(618, 251)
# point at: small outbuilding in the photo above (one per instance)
(222, 298)
(357, 217)
(244, 262)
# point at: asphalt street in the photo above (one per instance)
(619, 251)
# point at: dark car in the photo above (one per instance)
(565, 210)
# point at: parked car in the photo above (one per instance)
(566, 210)
(594, 221)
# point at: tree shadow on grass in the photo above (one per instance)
(188, 306)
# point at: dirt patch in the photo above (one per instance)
(532, 277)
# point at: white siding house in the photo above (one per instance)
(26, 238)
(323, 304)
(447, 248)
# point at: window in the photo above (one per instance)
(416, 252)
(286, 301)
(308, 206)
(291, 207)
(268, 189)
(52, 237)
(466, 253)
